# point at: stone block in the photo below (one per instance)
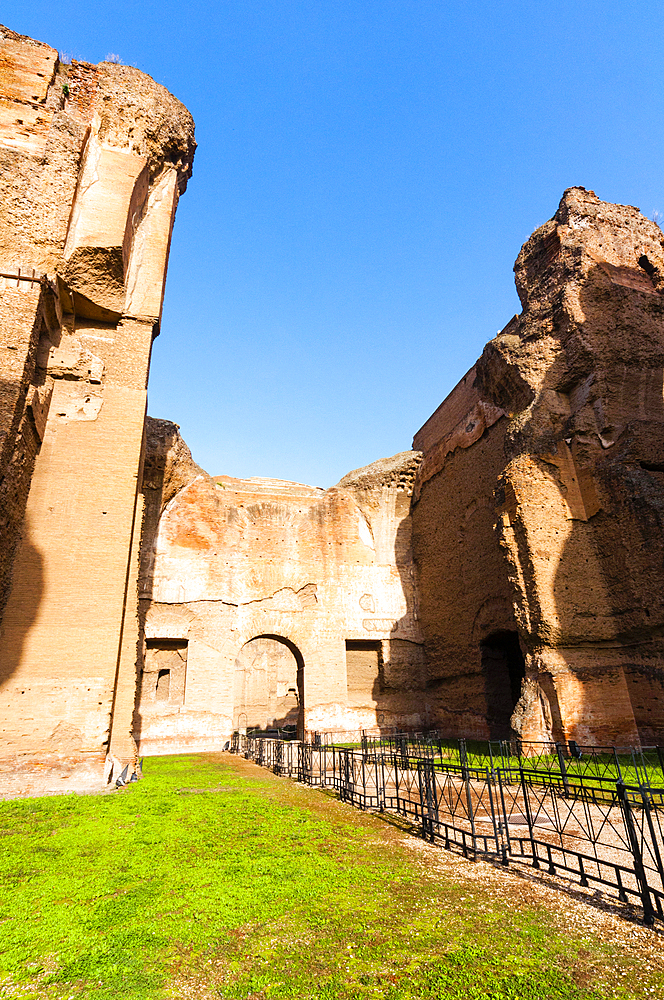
(26, 67)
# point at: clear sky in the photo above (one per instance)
(366, 174)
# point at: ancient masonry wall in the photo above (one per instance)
(558, 465)
(93, 160)
(464, 594)
(511, 580)
(271, 603)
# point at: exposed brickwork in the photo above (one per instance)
(228, 561)
(92, 161)
(505, 576)
(571, 482)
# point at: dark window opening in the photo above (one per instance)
(167, 644)
(503, 670)
(647, 266)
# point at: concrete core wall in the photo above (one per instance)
(92, 162)
(269, 584)
(540, 499)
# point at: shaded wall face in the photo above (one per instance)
(28, 106)
(262, 577)
(88, 198)
(464, 590)
(546, 525)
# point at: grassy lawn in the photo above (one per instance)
(213, 878)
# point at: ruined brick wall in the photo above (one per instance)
(571, 479)
(92, 162)
(464, 593)
(271, 603)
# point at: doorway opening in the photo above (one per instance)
(269, 686)
(503, 671)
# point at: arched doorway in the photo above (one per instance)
(504, 669)
(269, 686)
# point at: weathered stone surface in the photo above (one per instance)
(27, 67)
(92, 160)
(277, 591)
(572, 487)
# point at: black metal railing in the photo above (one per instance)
(595, 814)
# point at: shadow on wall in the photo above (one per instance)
(600, 450)
(608, 587)
(628, 533)
(393, 672)
(269, 685)
(503, 671)
(474, 662)
(22, 611)
(160, 438)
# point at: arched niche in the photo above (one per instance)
(269, 685)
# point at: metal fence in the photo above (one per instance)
(592, 814)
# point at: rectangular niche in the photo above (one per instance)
(164, 674)
(363, 666)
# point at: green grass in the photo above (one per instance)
(213, 873)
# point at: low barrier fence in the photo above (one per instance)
(595, 815)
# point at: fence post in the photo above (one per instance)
(615, 757)
(563, 768)
(647, 808)
(380, 786)
(503, 825)
(490, 779)
(529, 818)
(344, 781)
(364, 782)
(639, 871)
(469, 804)
(427, 806)
(396, 782)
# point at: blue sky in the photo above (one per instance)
(366, 174)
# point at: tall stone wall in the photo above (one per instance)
(93, 160)
(558, 465)
(464, 593)
(280, 604)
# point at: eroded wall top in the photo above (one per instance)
(90, 156)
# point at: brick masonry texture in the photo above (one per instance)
(92, 162)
